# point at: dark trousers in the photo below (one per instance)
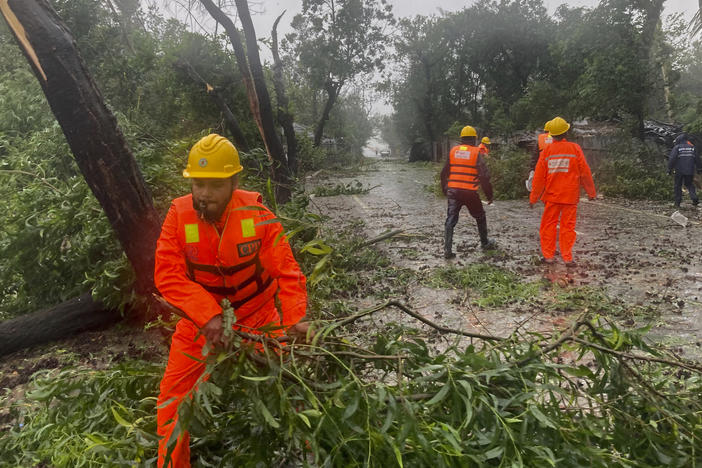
(457, 199)
(687, 180)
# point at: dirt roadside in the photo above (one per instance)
(632, 250)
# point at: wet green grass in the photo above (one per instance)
(493, 286)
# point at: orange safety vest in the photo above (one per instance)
(196, 266)
(484, 149)
(233, 273)
(463, 168)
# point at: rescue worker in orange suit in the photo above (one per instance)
(465, 171)
(560, 172)
(485, 146)
(685, 159)
(213, 245)
(543, 139)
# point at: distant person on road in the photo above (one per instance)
(560, 172)
(485, 145)
(465, 171)
(685, 160)
(543, 140)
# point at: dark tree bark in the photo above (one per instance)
(284, 116)
(91, 130)
(231, 121)
(332, 89)
(64, 320)
(240, 55)
(259, 99)
(125, 33)
(270, 135)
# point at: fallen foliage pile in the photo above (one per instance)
(336, 401)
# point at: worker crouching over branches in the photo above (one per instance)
(219, 242)
(465, 171)
(559, 174)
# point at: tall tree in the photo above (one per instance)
(618, 77)
(249, 63)
(422, 78)
(91, 130)
(696, 22)
(334, 41)
(471, 66)
(285, 117)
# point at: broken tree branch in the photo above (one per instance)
(415, 315)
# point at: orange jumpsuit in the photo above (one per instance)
(560, 172)
(197, 265)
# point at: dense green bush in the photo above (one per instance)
(633, 170)
(55, 241)
(509, 168)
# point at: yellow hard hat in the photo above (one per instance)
(558, 126)
(547, 125)
(212, 157)
(468, 131)
(485, 140)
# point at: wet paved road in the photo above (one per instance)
(632, 249)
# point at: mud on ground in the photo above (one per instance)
(632, 251)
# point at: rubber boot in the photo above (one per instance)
(485, 242)
(448, 243)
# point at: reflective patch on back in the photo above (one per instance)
(192, 234)
(554, 163)
(247, 228)
(558, 165)
(461, 154)
(687, 151)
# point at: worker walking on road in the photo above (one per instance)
(465, 171)
(685, 160)
(219, 242)
(559, 174)
(485, 145)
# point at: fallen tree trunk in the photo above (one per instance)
(77, 315)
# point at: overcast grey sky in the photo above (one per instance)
(270, 9)
(402, 8)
